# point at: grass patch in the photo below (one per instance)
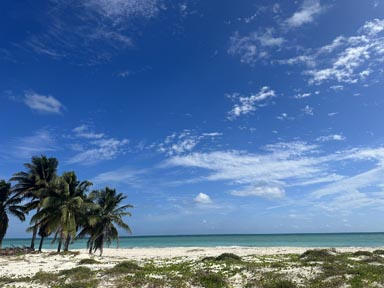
(46, 277)
(362, 253)
(378, 252)
(225, 257)
(89, 261)
(125, 267)
(77, 273)
(318, 255)
(210, 280)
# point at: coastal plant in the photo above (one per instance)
(32, 184)
(210, 279)
(9, 205)
(89, 261)
(318, 255)
(108, 212)
(61, 207)
(125, 267)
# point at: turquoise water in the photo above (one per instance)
(260, 240)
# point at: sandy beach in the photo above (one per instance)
(21, 266)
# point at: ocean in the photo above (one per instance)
(258, 240)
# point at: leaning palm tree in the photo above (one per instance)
(60, 209)
(9, 204)
(33, 183)
(108, 213)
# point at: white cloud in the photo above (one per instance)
(307, 110)
(248, 104)
(288, 166)
(254, 46)
(306, 14)
(83, 131)
(98, 147)
(346, 59)
(42, 103)
(122, 10)
(261, 191)
(203, 198)
(332, 137)
(186, 141)
(284, 160)
(302, 95)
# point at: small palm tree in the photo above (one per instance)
(9, 204)
(31, 184)
(102, 221)
(61, 207)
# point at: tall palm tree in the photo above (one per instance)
(33, 183)
(9, 204)
(60, 209)
(108, 213)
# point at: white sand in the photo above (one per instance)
(28, 265)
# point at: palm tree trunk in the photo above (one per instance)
(67, 241)
(101, 245)
(41, 243)
(3, 226)
(60, 241)
(34, 233)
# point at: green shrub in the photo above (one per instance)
(89, 261)
(378, 252)
(228, 257)
(318, 255)
(125, 267)
(46, 277)
(209, 258)
(77, 273)
(362, 253)
(210, 280)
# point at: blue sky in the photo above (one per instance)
(212, 116)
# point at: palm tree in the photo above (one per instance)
(9, 204)
(101, 226)
(32, 184)
(60, 209)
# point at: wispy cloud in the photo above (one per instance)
(248, 104)
(40, 142)
(331, 137)
(287, 166)
(186, 141)
(89, 31)
(43, 103)
(306, 14)
(92, 147)
(254, 46)
(84, 131)
(261, 191)
(346, 59)
(125, 175)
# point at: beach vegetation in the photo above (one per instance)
(318, 255)
(362, 253)
(9, 205)
(88, 261)
(64, 207)
(125, 267)
(107, 213)
(228, 257)
(32, 184)
(378, 252)
(210, 279)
